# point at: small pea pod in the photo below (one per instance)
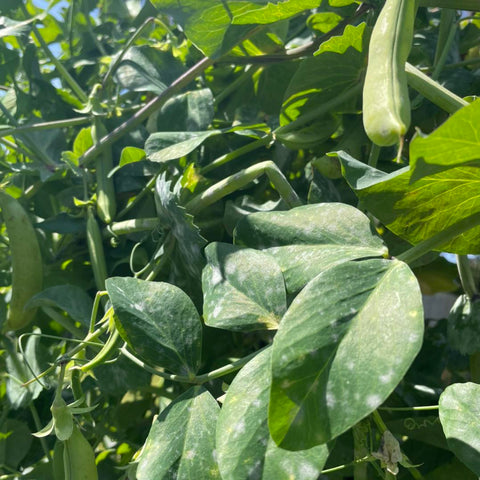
(79, 458)
(62, 418)
(58, 467)
(95, 248)
(27, 277)
(106, 202)
(386, 105)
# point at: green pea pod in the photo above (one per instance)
(27, 266)
(79, 458)
(106, 202)
(386, 105)
(58, 467)
(62, 419)
(95, 248)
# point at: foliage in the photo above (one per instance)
(232, 270)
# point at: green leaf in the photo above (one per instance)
(158, 321)
(274, 11)
(68, 298)
(459, 410)
(17, 443)
(140, 70)
(323, 21)
(344, 344)
(463, 326)
(174, 217)
(307, 240)
(181, 442)
(243, 289)
(323, 77)
(245, 448)
(454, 143)
(191, 111)
(351, 37)
(165, 146)
(418, 210)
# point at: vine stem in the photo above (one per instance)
(440, 238)
(410, 409)
(60, 68)
(70, 122)
(239, 180)
(358, 461)
(196, 380)
(152, 106)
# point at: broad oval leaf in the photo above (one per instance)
(342, 347)
(245, 449)
(309, 239)
(181, 441)
(243, 289)
(158, 321)
(459, 410)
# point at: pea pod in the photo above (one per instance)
(27, 277)
(106, 203)
(95, 248)
(386, 105)
(62, 418)
(79, 458)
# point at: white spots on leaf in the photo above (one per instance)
(386, 377)
(413, 337)
(230, 268)
(350, 365)
(239, 428)
(216, 311)
(217, 276)
(331, 400)
(373, 401)
(189, 454)
(257, 403)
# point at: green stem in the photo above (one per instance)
(361, 433)
(60, 68)
(239, 180)
(250, 147)
(446, 35)
(368, 458)
(70, 122)
(114, 65)
(466, 276)
(149, 108)
(379, 422)
(410, 409)
(234, 86)
(374, 154)
(133, 225)
(196, 380)
(433, 91)
(96, 306)
(440, 239)
(147, 189)
(39, 426)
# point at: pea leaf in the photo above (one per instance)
(158, 321)
(307, 240)
(418, 210)
(459, 409)
(243, 289)
(344, 344)
(68, 298)
(245, 448)
(165, 146)
(181, 442)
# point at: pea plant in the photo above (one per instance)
(218, 220)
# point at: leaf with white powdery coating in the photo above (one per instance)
(307, 240)
(158, 321)
(181, 442)
(243, 289)
(244, 446)
(344, 344)
(459, 411)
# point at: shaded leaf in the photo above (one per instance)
(342, 347)
(244, 446)
(181, 442)
(68, 298)
(459, 410)
(158, 321)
